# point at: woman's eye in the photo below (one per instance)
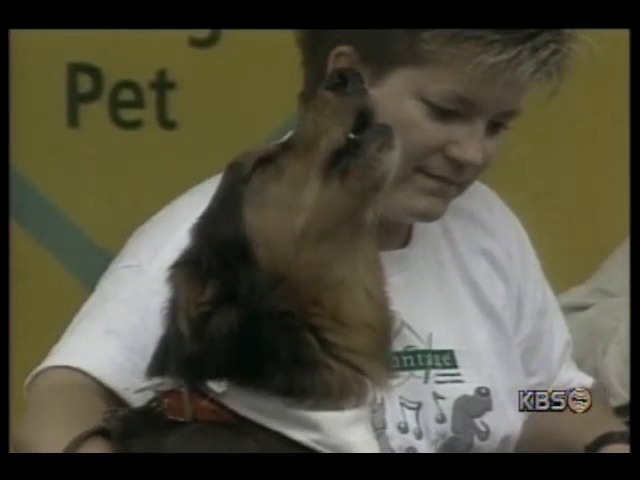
(496, 128)
(442, 114)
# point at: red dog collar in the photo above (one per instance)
(192, 406)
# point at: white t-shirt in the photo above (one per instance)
(476, 322)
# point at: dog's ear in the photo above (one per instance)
(193, 298)
(201, 319)
(194, 295)
(202, 325)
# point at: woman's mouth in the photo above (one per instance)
(438, 178)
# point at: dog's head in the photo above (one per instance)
(293, 213)
(322, 184)
(337, 159)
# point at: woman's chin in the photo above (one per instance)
(420, 208)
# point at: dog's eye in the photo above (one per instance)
(263, 162)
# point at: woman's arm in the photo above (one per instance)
(61, 404)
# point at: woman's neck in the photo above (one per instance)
(393, 235)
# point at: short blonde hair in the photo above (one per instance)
(535, 55)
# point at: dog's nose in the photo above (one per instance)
(345, 81)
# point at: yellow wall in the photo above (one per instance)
(565, 167)
(564, 170)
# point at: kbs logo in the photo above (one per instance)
(578, 400)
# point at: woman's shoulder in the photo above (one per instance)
(481, 212)
(483, 202)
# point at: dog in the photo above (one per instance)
(280, 289)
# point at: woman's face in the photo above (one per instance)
(448, 121)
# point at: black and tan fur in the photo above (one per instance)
(280, 288)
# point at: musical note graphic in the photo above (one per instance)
(411, 407)
(449, 377)
(483, 431)
(440, 417)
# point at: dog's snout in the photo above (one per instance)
(345, 81)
